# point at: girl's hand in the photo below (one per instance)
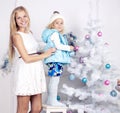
(49, 52)
(52, 50)
(71, 48)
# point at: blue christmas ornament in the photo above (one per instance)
(72, 77)
(58, 97)
(84, 80)
(107, 66)
(113, 93)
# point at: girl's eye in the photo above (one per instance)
(56, 23)
(25, 16)
(18, 18)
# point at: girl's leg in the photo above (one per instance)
(36, 103)
(23, 104)
(52, 91)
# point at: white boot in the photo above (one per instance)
(52, 92)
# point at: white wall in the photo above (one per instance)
(5, 82)
(76, 13)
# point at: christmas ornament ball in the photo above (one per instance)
(113, 93)
(107, 66)
(69, 111)
(71, 77)
(99, 33)
(76, 48)
(58, 97)
(84, 80)
(106, 82)
(87, 36)
(81, 60)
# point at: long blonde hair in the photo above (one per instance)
(14, 28)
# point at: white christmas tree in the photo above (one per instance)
(97, 75)
(93, 66)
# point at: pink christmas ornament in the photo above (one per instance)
(81, 59)
(76, 48)
(69, 112)
(106, 44)
(107, 82)
(87, 36)
(100, 94)
(99, 33)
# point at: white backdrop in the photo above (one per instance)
(76, 13)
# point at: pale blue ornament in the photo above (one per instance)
(113, 93)
(72, 77)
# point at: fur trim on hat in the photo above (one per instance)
(55, 16)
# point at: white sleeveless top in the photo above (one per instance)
(29, 77)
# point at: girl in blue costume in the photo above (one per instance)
(53, 37)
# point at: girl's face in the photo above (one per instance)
(22, 20)
(58, 24)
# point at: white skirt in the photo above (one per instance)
(29, 78)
